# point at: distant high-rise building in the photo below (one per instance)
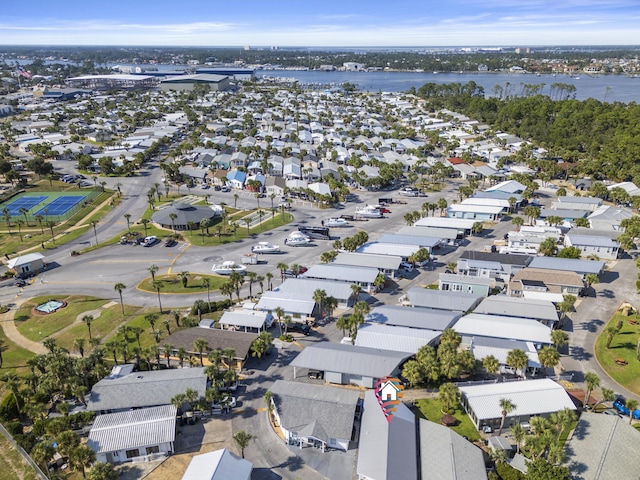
(521, 50)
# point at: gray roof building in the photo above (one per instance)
(582, 267)
(420, 240)
(381, 262)
(185, 214)
(603, 447)
(442, 300)
(446, 455)
(316, 411)
(387, 450)
(289, 302)
(519, 260)
(145, 389)
(342, 273)
(302, 287)
(349, 359)
(503, 305)
(143, 427)
(511, 328)
(426, 318)
(435, 232)
(218, 465)
(390, 337)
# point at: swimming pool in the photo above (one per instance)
(50, 306)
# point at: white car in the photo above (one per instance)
(225, 403)
(406, 266)
(150, 241)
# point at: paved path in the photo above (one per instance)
(12, 333)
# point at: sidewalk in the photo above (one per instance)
(12, 333)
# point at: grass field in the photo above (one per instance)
(624, 345)
(173, 284)
(431, 409)
(13, 356)
(39, 327)
(12, 465)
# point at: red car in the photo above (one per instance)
(384, 210)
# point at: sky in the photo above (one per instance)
(357, 23)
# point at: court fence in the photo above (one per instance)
(89, 193)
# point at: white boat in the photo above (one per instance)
(228, 267)
(297, 239)
(265, 247)
(368, 212)
(336, 223)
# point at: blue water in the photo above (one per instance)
(50, 306)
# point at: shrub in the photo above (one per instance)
(14, 428)
(507, 472)
(8, 408)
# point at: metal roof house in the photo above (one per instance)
(607, 217)
(246, 320)
(304, 287)
(387, 450)
(581, 267)
(124, 436)
(577, 203)
(442, 300)
(603, 247)
(509, 328)
(299, 306)
(218, 465)
(444, 454)
(349, 364)
(465, 283)
(482, 347)
(424, 318)
(144, 389)
(531, 398)
(386, 264)
(187, 83)
(363, 276)
(475, 212)
(390, 249)
(26, 264)
(391, 337)
(315, 415)
(603, 447)
(542, 284)
(461, 225)
(401, 239)
(543, 311)
(447, 236)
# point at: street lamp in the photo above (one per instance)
(95, 234)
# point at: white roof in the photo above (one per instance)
(134, 428)
(399, 339)
(290, 302)
(530, 397)
(457, 223)
(218, 465)
(503, 327)
(510, 186)
(244, 318)
(518, 307)
(24, 259)
(391, 249)
(458, 207)
(496, 202)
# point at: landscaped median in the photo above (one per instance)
(174, 284)
(617, 349)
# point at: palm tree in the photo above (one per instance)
(260, 280)
(182, 354)
(252, 278)
(173, 217)
(507, 407)
(269, 277)
(206, 283)
(153, 269)
(200, 345)
(82, 457)
(279, 313)
(184, 277)
(157, 287)
(591, 381)
(518, 433)
(559, 338)
(119, 287)
(491, 364)
(355, 291)
(548, 356)
(518, 222)
(144, 223)
(283, 268)
(242, 439)
(24, 211)
(78, 344)
(319, 296)
(127, 217)
(518, 359)
(449, 395)
(608, 395)
(87, 319)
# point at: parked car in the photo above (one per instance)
(170, 242)
(406, 266)
(297, 327)
(225, 189)
(21, 283)
(226, 403)
(317, 374)
(409, 192)
(150, 241)
(204, 186)
(289, 272)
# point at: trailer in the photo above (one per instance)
(249, 259)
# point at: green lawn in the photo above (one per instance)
(624, 345)
(12, 465)
(173, 284)
(39, 327)
(147, 339)
(13, 356)
(431, 409)
(101, 326)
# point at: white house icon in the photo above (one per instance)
(389, 391)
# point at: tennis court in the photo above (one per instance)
(26, 202)
(61, 205)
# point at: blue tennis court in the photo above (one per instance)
(61, 205)
(27, 202)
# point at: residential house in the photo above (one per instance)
(236, 179)
(442, 300)
(609, 218)
(508, 328)
(475, 212)
(124, 389)
(577, 203)
(462, 226)
(542, 284)
(315, 415)
(532, 398)
(300, 307)
(581, 267)
(499, 348)
(421, 318)
(491, 265)
(275, 186)
(543, 311)
(465, 283)
(390, 249)
(602, 247)
(218, 465)
(446, 236)
(392, 337)
(422, 241)
(346, 364)
(386, 264)
(246, 320)
(134, 435)
(508, 186)
(216, 339)
(364, 276)
(305, 287)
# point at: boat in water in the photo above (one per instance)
(265, 247)
(228, 267)
(336, 223)
(297, 239)
(369, 211)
